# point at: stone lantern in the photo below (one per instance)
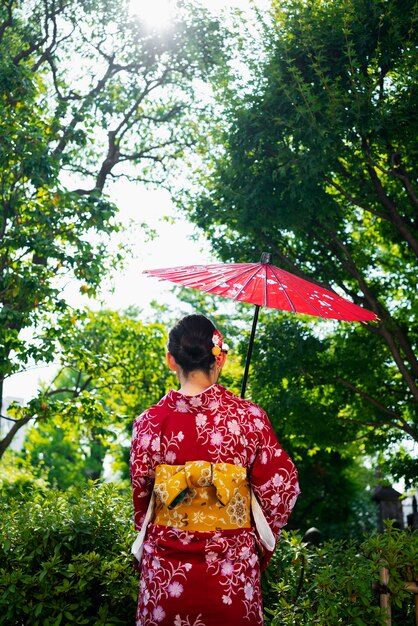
(389, 507)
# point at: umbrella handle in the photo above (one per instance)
(250, 350)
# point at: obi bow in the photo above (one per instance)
(174, 482)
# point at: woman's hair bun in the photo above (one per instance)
(190, 343)
(195, 353)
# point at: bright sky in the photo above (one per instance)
(172, 246)
(158, 12)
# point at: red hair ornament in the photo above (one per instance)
(218, 344)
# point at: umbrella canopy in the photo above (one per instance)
(264, 284)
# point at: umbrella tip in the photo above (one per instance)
(265, 258)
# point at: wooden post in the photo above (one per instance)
(413, 588)
(416, 609)
(385, 603)
(384, 595)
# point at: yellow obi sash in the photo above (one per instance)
(202, 496)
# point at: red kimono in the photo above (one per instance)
(201, 577)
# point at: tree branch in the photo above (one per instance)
(87, 383)
(57, 390)
(8, 22)
(354, 200)
(368, 397)
(23, 54)
(404, 426)
(108, 164)
(396, 219)
(399, 171)
(48, 50)
(145, 154)
(7, 440)
(398, 421)
(9, 419)
(78, 116)
(386, 323)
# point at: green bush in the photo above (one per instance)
(337, 583)
(65, 557)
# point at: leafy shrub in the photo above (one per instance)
(64, 558)
(337, 583)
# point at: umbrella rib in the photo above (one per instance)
(347, 304)
(236, 276)
(256, 269)
(265, 287)
(344, 304)
(306, 300)
(284, 290)
(244, 285)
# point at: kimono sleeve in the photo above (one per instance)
(144, 456)
(274, 480)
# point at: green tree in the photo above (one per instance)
(112, 368)
(87, 95)
(318, 167)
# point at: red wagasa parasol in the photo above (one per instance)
(264, 284)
